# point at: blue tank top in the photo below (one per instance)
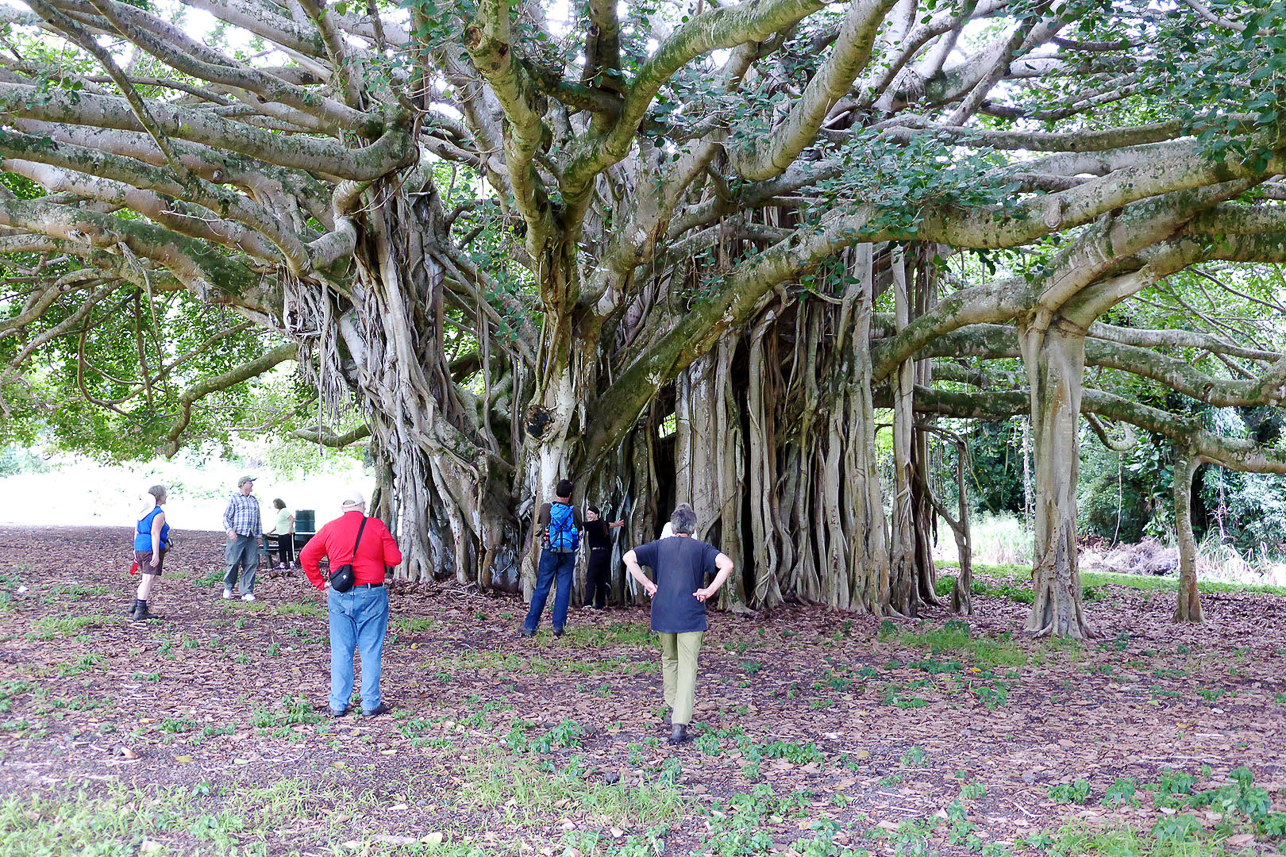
(143, 532)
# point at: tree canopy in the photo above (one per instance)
(676, 250)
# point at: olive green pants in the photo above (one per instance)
(679, 671)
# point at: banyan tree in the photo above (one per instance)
(691, 250)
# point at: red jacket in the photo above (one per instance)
(335, 541)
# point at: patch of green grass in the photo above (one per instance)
(295, 710)
(214, 578)
(415, 624)
(177, 724)
(303, 608)
(1175, 836)
(1121, 793)
(1075, 792)
(616, 634)
(954, 637)
(48, 627)
(86, 663)
(76, 590)
(893, 693)
(915, 758)
(520, 789)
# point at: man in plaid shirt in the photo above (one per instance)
(242, 523)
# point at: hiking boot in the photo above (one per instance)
(680, 734)
(140, 611)
(376, 711)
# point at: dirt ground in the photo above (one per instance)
(880, 736)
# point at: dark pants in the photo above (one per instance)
(285, 548)
(596, 585)
(553, 566)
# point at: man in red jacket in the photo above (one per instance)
(358, 617)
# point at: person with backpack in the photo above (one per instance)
(358, 548)
(558, 527)
(679, 565)
(151, 544)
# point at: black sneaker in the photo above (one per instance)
(680, 734)
(558, 632)
(333, 713)
(527, 633)
(376, 711)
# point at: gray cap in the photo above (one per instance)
(244, 479)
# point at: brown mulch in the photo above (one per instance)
(127, 701)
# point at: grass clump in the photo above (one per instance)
(49, 627)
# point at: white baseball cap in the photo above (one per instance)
(353, 500)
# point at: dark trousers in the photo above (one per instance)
(553, 566)
(596, 571)
(285, 548)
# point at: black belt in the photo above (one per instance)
(367, 585)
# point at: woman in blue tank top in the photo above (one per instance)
(151, 543)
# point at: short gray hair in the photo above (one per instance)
(684, 520)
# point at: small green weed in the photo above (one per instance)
(1075, 792)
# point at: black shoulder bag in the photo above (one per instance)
(343, 578)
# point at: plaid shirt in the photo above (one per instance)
(242, 515)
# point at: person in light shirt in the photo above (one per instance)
(283, 529)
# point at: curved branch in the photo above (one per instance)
(198, 391)
(326, 436)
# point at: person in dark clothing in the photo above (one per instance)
(680, 566)
(598, 534)
(558, 526)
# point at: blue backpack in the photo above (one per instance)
(561, 536)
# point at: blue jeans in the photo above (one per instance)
(552, 565)
(358, 619)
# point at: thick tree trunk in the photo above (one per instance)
(1054, 356)
(1188, 608)
(905, 595)
(709, 457)
(869, 575)
(448, 495)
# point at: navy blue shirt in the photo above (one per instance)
(679, 565)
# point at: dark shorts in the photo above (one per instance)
(144, 560)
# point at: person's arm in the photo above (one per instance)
(310, 558)
(292, 526)
(632, 566)
(227, 519)
(616, 524)
(392, 554)
(724, 563)
(157, 523)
